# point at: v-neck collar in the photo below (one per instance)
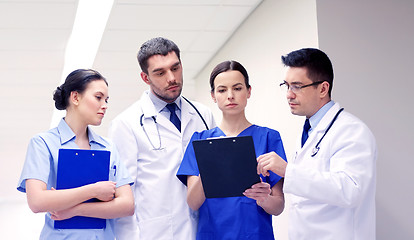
(240, 134)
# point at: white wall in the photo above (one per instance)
(274, 29)
(370, 45)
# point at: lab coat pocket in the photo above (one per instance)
(319, 157)
(156, 228)
(321, 163)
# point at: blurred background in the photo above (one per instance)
(369, 42)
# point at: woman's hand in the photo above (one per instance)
(259, 192)
(120, 205)
(105, 190)
(270, 199)
(63, 214)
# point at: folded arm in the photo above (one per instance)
(120, 206)
(42, 200)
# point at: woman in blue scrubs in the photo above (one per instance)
(249, 216)
(84, 96)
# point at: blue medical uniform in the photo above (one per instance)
(234, 217)
(41, 164)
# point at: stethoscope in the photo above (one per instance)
(146, 134)
(158, 130)
(315, 150)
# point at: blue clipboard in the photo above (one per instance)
(76, 168)
(227, 165)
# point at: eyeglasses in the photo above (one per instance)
(295, 88)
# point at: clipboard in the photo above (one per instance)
(76, 168)
(227, 165)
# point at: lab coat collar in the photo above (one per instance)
(160, 104)
(148, 108)
(317, 117)
(326, 120)
(321, 127)
(187, 112)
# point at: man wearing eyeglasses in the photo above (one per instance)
(331, 177)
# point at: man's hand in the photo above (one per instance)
(271, 162)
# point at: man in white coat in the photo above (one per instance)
(151, 140)
(332, 176)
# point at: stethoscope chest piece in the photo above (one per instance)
(315, 151)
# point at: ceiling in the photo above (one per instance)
(34, 34)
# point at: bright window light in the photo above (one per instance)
(90, 21)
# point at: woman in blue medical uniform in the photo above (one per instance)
(84, 96)
(250, 216)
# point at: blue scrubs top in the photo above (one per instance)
(234, 217)
(41, 164)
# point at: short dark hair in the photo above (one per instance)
(155, 46)
(227, 66)
(317, 63)
(75, 81)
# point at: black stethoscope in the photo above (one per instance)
(158, 130)
(315, 150)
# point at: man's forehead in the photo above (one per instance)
(296, 71)
(161, 61)
(296, 75)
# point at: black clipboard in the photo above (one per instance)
(76, 168)
(227, 165)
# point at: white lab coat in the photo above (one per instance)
(161, 210)
(333, 194)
